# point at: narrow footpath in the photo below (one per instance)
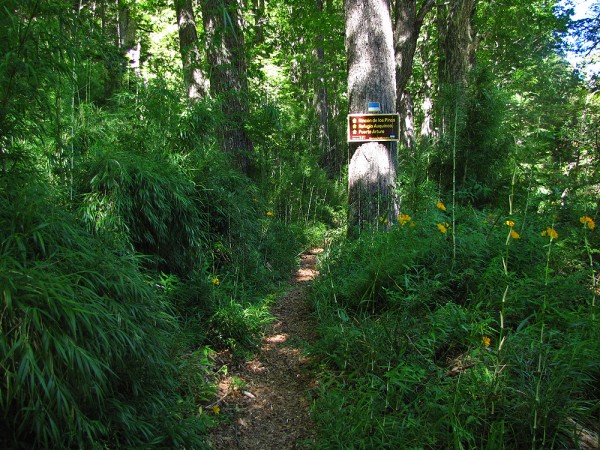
(268, 397)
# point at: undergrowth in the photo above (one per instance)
(424, 347)
(121, 280)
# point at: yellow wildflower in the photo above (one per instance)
(514, 234)
(510, 223)
(588, 222)
(216, 281)
(551, 232)
(486, 341)
(441, 206)
(269, 213)
(404, 218)
(442, 228)
(216, 409)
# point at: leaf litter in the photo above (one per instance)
(266, 400)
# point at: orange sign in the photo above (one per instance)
(373, 127)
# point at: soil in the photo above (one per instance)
(265, 401)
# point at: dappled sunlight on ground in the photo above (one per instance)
(265, 401)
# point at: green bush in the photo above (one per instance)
(148, 202)
(421, 351)
(86, 338)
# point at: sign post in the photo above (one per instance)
(373, 127)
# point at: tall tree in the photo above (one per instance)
(321, 100)
(195, 82)
(456, 40)
(371, 78)
(228, 75)
(407, 25)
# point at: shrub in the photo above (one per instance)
(86, 339)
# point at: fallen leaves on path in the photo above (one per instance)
(268, 397)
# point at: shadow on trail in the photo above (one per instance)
(268, 397)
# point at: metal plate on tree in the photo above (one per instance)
(373, 127)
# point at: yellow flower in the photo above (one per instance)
(441, 206)
(486, 341)
(551, 232)
(588, 222)
(404, 218)
(510, 223)
(216, 281)
(442, 228)
(514, 234)
(216, 409)
(269, 214)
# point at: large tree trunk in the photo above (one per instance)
(407, 25)
(195, 82)
(456, 39)
(228, 77)
(371, 78)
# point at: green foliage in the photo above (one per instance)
(148, 202)
(420, 350)
(140, 244)
(86, 338)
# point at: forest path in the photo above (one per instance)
(268, 396)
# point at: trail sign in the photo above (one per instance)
(373, 127)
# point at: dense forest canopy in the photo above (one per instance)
(163, 162)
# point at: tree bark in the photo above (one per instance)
(456, 38)
(228, 75)
(407, 26)
(195, 82)
(427, 127)
(321, 101)
(371, 78)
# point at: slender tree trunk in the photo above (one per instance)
(371, 78)
(228, 77)
(427, 127)
(321, 101)
(119, 28)
(195, 83)
(128, 42)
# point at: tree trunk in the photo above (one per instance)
(407, 26)
(371, 78)
(321, 101)
(228, 77)
(427, 127)
(456, 36)
(258, 8)
(195, 82)
(129, 43)
(456, 39)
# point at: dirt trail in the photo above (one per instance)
(270, 405)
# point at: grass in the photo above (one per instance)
(495, 350)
